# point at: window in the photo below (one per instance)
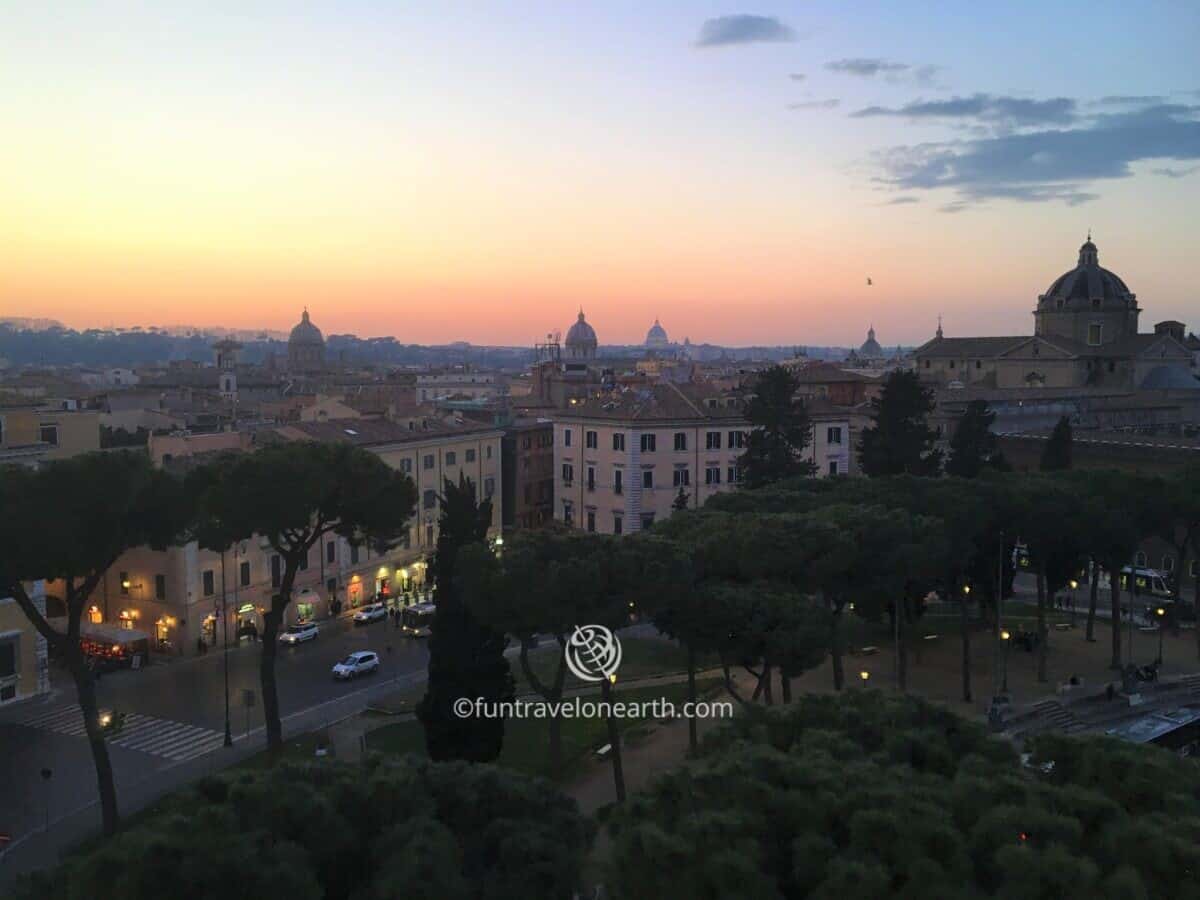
(732, 472)
(489, 486)
(833, 435)
(927, 364)
(712, 440)
(619, 441)
(451, 458)
(429, 535)
(648, 478)
(48, 434)
(470, 455)
(681, 440)
(330, 551)
(591, 478)
(406, 466)
(590, 440)
(648, 443)
(526, 443)
(566, 437)
(833, 467)
(428, 462)
(647, 519)
(978, 364)
(591, 520)
(160, 587)
(568, 513)
(244, 574)
(952, 364)
(10, 647)
(276, 570)
(429, 501)
(618, 524)
(124, 583)
(331, 586)
(1095, 333)
(681, 478)
(568, 473)
(487, 452)
(712, 475)
(737, 440)
(353, 554)
(618, 486)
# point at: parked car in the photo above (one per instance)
(361, 662)
(298, 634)
(369, 614)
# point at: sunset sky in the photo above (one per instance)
(453, 171)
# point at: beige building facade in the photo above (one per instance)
(24, 670)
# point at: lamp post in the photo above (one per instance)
(225, 639)
(1006, 638)
(1074, 585)
(1161, 613)
(864, 676)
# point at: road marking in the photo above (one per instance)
(176, 741)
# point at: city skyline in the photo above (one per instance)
(477, 175)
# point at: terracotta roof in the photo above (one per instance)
(368, 432)
(969, 347)
(827, 373)
(657, 402)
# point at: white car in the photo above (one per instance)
(298, 634)
(369, 614)
(361, 662)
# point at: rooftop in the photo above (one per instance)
(371, 432)
(657, 402)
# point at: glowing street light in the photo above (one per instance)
(1007, 638)
(1161, 613)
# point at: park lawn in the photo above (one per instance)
(526, 741)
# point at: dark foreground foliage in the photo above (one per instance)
(866, 796)
(392, 828)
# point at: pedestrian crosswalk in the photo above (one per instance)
(176, 741)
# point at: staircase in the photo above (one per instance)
(1053, 716)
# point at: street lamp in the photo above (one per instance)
(864, 676)
(1161, 613)
(1074, 585)
(1007, 638)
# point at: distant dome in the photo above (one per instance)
(657, 336)
(306, 347)
(581, 339)
(1087, 286)
(870, 347)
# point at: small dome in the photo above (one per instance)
(306, 332)
(657, 335)
(870, 347)
(581, 333)
(1086, 284)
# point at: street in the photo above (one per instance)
(173, 712)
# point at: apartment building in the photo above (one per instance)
(527, 474)
(458, 383)
(32, 431)
(621, 459)
(24, 670)
(835, 434)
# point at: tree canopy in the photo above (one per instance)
(899, 442)
(780, 431)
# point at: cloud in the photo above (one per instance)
(1130, 100)
(1050, 164)
(1175, 173)
(797, 76)
(865, 67)
(986, 108)
(743, 29)
(901, 200)
(890, 71)
(831, 103)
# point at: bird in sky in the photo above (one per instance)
(869, 282)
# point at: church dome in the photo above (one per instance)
(870, 347)
(581, 334)
(657, 335)
(1087, 286)
(306, 333)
